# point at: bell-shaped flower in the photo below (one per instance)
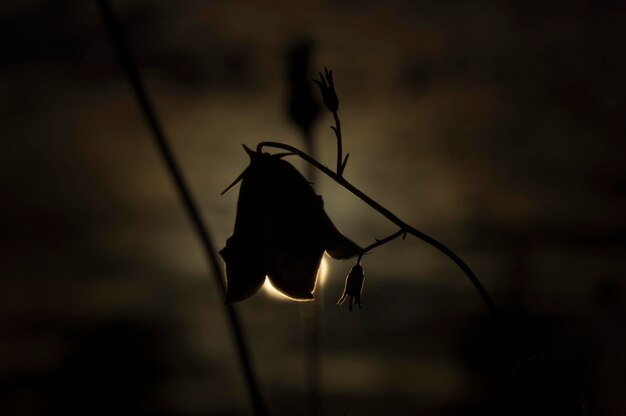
(353, 287)
(281, 231)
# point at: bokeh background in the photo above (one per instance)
(497, 127)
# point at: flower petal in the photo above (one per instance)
(244, 270)
(281, 231)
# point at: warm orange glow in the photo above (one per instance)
(322, 273)
(275, 293)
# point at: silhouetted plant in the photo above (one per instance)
(281, 231)
(354, 287)
(275, 235)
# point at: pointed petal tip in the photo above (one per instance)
(249, 151)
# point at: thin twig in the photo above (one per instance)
(132, 72)
(391, 217)
(381, 242)
(337, 129)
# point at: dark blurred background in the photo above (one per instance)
(497, 127)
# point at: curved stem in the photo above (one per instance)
(127, 62)
(391, 217)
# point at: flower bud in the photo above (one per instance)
(327, 88)
(353, 288)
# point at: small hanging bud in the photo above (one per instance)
(353, 288)
(327, 88)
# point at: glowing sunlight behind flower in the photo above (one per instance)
(322, 273)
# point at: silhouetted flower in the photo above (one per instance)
(327, 88)
(281, 231)
(353, 288)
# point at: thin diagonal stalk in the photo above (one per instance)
(132, 72)
(391, 217)
(337, 129)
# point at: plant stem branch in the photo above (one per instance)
(381, 242)
(337, 129)
(391, 217)
(132, 72)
